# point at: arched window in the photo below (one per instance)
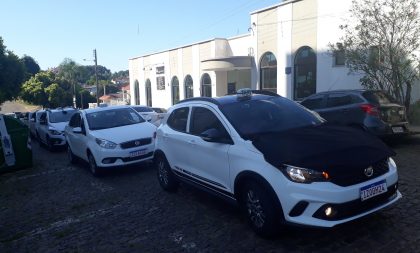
(304, 82)
(136, 93)
(175, 90)
(268, 72)
(188, 84)
(148, 87)
(205, 85)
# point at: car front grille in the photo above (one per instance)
(356, 176)
(356, 207)
(136, 143)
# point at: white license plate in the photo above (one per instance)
(398, 130)
(373, 190)
(138, 153)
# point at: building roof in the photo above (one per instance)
(274, 6)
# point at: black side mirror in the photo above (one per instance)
(214, 135)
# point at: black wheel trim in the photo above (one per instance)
(254, 209)
(163, 172)
(92, 164)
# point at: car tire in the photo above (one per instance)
(260, 209)
(93, 167)
(166, 178)
(70, 155)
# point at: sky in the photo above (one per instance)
(51, 30)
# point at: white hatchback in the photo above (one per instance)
(279, 161)
(110, 136)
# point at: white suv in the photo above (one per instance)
(280, 162)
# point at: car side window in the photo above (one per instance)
(43, 117)
(339, 99)
(203, 119)
(316, 102)
(178, 119)
(75, 120)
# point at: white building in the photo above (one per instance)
(286, 51)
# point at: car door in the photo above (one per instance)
(337, 108)
(174, 138)
(209, 161)
(76, 141)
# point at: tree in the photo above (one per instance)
(11, 74)
(48, 90)
(31, 66)
(382, 41)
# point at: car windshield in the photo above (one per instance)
(274, 114)
(113, 118)
(143, 109)
(61, 116)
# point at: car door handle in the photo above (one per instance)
(192, 142)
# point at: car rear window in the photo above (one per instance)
(273, 114)
(143, 109)
(378, 97)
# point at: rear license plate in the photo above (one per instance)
(398, 130)
(372, 190)
(137, 153)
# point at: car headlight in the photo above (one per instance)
(303, 175)
(54, 132)
(105, 144)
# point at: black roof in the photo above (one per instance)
(228, 99)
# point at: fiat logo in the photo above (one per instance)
(137, 143)
(369, 171)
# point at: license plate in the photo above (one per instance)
(372, 190)
(137, 153)
(398, 130)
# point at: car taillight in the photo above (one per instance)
(370, 109)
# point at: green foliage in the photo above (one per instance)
(31, 66)
(11, 74)
(381, 40)
(47, 89)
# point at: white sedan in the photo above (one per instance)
(109, 137)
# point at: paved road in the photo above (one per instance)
(56, 207)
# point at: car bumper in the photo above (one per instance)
(120, 157)
(307, 203)
(57, 140)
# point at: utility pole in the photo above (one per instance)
(96, 77)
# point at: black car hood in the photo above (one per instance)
(324, 147)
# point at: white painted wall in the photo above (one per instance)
(284, 49)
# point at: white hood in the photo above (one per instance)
(126, 133)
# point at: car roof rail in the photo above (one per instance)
(204, 99)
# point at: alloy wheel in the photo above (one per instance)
(255, 209)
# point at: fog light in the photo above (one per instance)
(329, 211)
(109, 160)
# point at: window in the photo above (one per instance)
(148, 87)
(316, 102)
(268, 72)
(178, 119)
(61, 116)
(202, 120)
(175, 90)
(335, 100)
(112, 118)
(304, 73)
(188, 83)
(143, 109)
(136, 93)
(206, 85)
(75, 120)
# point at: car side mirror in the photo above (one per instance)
(214, 135)
(77, 130)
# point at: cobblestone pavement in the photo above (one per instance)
(57, 207)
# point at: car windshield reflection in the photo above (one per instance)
(113, 118)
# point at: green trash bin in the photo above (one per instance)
(18, 134)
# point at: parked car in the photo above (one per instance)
(109, 137)
(34, 121)
(148, 114)
(50, 128)
(159, 110)
(280, 162)
(373, 111)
